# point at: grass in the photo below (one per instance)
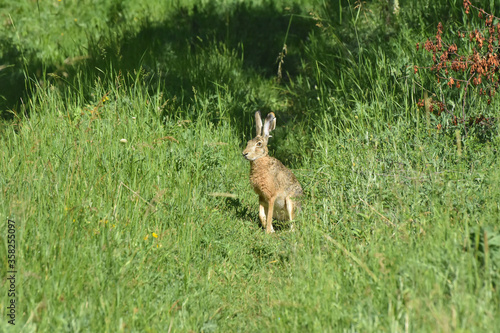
(123, 172)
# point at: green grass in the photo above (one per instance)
(124, 175)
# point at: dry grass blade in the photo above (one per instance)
(353, 257)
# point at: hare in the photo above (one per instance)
(275, 184)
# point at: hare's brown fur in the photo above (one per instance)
(275, 184)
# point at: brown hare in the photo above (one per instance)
(275, 184)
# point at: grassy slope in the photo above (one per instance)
(388, 239)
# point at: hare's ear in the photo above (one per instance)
(258, 123)
(269, 124)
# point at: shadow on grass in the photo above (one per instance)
(202, 53)
(13, 85)
(194, 51)
(240, 211)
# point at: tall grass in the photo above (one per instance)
(123, 173)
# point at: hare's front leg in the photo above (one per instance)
(262, 214)
(270, 207)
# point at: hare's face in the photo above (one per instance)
(256, 148)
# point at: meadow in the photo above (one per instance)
(121, 131)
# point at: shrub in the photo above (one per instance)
(466, 67)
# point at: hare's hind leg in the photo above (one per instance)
(290, 209)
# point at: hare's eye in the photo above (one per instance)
(259, 144)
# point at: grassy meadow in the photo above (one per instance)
(121, 131)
